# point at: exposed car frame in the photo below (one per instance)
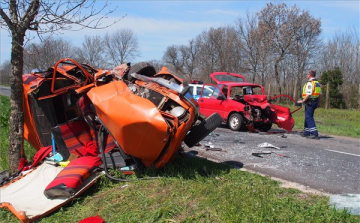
(147, 115)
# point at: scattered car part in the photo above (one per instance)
(199, 132)
(260, 154)
(268, 145)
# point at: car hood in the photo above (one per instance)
(225, 77)
(257, 100)
(281, 115)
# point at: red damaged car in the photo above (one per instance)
(242, 104)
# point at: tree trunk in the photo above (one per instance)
(327, 101)
(295, 92)
(359, 99)
(16, 103)
(269, 91)
(277, 76)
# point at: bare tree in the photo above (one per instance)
(174, 59)
(279, 23)
(46, 53)
(190, 63)
(183, 59)
(92, 52)
(207, 56)
(218, 50)
(41, 16)
(121, 46)
(343, 51)
(250, 38)
(307, 44)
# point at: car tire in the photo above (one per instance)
(235, 122)
(265, 127)
(142, 68)
(203, 129)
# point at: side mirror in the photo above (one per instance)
(221, 97)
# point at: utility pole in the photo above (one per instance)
(269, 91)
(359, 99)
(327, 101)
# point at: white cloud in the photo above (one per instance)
(224, 12)
(154, 35)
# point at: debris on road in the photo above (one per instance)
(212, 148)
(238, 141)
(268, 145)
(259, 154)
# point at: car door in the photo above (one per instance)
(212, 100)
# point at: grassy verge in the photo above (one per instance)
(188, 190)
(4, 134)
(196, 190)
(332, 121)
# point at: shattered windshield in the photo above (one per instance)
(246, 90)
(169, 84)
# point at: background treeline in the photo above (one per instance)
(274, 47)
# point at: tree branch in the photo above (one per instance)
(6, 19)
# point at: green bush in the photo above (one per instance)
(335, 79)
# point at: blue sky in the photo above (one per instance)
(159, 24)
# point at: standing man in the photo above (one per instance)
(311, 98)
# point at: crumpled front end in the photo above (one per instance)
(134, 122)
(282, 117)
(260, 111)
(141, 115)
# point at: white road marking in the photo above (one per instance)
(342, 152)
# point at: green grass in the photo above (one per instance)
(4, 134)
(332, 121)
(4, 131)
(196, 190)
(189, 190)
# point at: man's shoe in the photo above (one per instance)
(313, 137)
(303, 135)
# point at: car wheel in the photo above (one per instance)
(265, 127)
(142, 68)
(199, 132)
(235, 122)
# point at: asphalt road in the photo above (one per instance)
(330, 165)
(5, 91)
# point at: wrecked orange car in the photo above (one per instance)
(84, 120)
(144, 115)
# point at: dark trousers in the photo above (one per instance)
(309, 125)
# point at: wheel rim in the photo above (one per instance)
(234, 122)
